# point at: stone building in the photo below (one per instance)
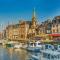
(48, 26)
(56, 25)
(12, 32)
(1, 35)
(33, 26)
(23, 30)
(45, 27)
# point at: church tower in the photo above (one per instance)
(34, 19)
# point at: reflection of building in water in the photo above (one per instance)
(10, 52)
(22, 54)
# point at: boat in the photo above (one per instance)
(50, 54)
(34, 46)
(48, 46)
(24, 46)
(9, 44)
(17, 46)
(57, 47)
(35, 57)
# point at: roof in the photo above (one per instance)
(13, 26)
(57, 17)
(29, 22)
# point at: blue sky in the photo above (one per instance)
(14, 10)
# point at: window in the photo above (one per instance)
(50, 46)
(39, 43)
(53, 25)
(21, 36)
(31, 44)
(46, 46)
(59, 46)
(53, 31)
(48, 31)
(34, 44)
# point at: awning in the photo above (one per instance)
(54, 34)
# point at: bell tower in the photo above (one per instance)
(34, 19)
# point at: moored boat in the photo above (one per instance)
(17, 46)
(37, 46)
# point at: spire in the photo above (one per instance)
(33, 19)
(34, 15)
(34, 12)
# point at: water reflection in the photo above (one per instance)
(20, 54)
(12, 54)
(17, 54)
(34, 56)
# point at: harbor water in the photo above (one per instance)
(20, 54)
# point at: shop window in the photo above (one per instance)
(53, 25)
(53, 31)
(21, 36)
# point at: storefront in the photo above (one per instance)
(55, 36)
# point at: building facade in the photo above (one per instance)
(23, 30)
(12, 32)
(56, 25)
(45, 27)
(1, 35)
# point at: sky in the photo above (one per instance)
(14, 10)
